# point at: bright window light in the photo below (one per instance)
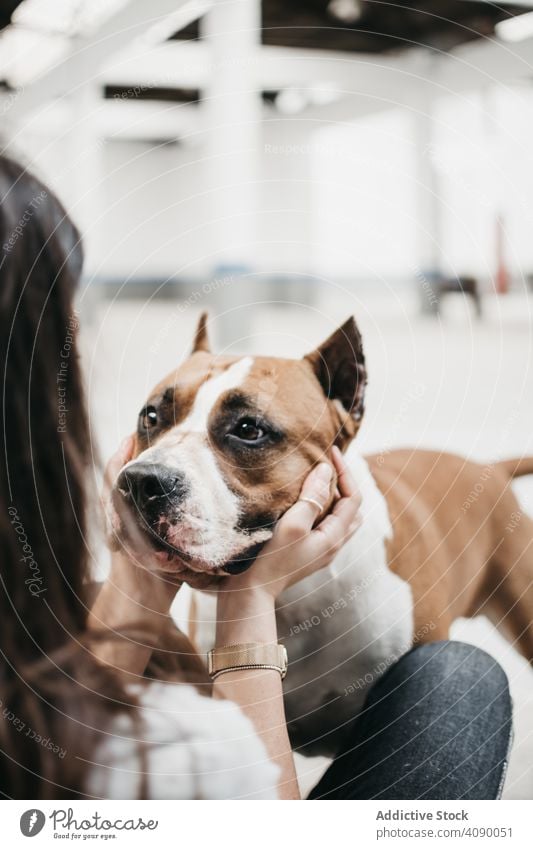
(516, 29)
(69, 17)
(25, 54)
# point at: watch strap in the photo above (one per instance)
(247, 656)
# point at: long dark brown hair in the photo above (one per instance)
(55, 699)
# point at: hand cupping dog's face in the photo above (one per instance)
(223, 445)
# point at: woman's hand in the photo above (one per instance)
(134, 596)
(122, 455)
(132, 566)
(133, 563)
(246, 603)
(297, 549)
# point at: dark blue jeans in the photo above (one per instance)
(437, 725)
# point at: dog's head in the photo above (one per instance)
(223, 445)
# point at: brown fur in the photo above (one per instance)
(460, 540)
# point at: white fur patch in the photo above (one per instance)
(210, 392)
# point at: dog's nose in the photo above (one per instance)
(151, 484)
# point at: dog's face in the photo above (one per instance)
(223, 445)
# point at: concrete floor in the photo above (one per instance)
(452, 383)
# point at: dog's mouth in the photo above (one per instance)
(171, 556)
(235, 566)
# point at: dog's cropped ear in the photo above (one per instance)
(201, 339)
(339, 364)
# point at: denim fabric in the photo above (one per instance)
(437, 725)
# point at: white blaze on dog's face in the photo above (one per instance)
(223, 446)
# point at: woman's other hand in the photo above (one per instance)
(122, 455)
(298, 549)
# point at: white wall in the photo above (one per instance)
(338, 200)
(485, 157)
(151, 211)
(364, 198)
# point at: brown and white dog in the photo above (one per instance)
(223, 445)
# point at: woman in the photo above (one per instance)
(80, 714)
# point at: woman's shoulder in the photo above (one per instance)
(185, 746)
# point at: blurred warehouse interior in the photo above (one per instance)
(371, 144)
(284, 165)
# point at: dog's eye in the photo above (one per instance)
(148, 418)
(248, 430)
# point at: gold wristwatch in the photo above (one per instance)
(247, 656)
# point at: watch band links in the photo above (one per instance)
(247, 656)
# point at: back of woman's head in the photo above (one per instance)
(50, 687)
(45, 430)
(55, 699)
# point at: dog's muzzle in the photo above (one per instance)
(156, 497)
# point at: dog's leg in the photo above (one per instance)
(509, 587)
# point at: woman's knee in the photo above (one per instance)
(451, 655)
(460, 668)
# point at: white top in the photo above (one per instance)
(196, 748)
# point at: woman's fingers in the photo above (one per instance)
(300, 518)
(348, 506)
(119, 459)
(296, 550)
(345, 480)
(339, 526)
(125, 452)
(330, 536)
(315, 489)
(344, 519)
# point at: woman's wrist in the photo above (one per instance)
(134, 604)
(245, 616)
(136, 594)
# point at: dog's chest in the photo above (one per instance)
(343, 628)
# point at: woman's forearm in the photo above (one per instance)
(128, 613)
(244, 617)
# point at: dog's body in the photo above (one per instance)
(441, 537)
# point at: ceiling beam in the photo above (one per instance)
(366, 83)
(468, 68)
(186, 64)
(82, 65)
